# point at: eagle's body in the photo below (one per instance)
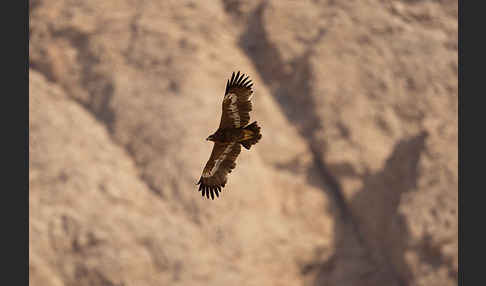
(229, 135)
(233, 132)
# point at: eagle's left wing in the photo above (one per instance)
(220, 163)
(236, 102)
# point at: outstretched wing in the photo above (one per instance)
(236, 102)
(220, 163)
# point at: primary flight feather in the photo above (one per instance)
(233, 132)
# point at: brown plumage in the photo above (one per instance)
(233, 132)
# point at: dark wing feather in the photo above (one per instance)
(219, 165)
(236, 102)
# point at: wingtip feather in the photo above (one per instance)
(238, 80)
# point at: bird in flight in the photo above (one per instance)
(233, 132)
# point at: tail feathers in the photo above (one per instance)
(253, 127)
(256, 137)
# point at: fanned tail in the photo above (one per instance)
(256, 136)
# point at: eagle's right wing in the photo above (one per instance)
(220, 163)
(236, 102)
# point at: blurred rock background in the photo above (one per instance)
(355, 181)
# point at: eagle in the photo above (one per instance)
(233, 132)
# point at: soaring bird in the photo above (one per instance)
(233, 131)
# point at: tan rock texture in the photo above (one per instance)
(355, 181)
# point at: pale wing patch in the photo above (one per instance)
(233, 109)
(218, 161)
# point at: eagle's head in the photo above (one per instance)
(211, 138)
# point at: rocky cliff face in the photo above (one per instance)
(354, 182)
